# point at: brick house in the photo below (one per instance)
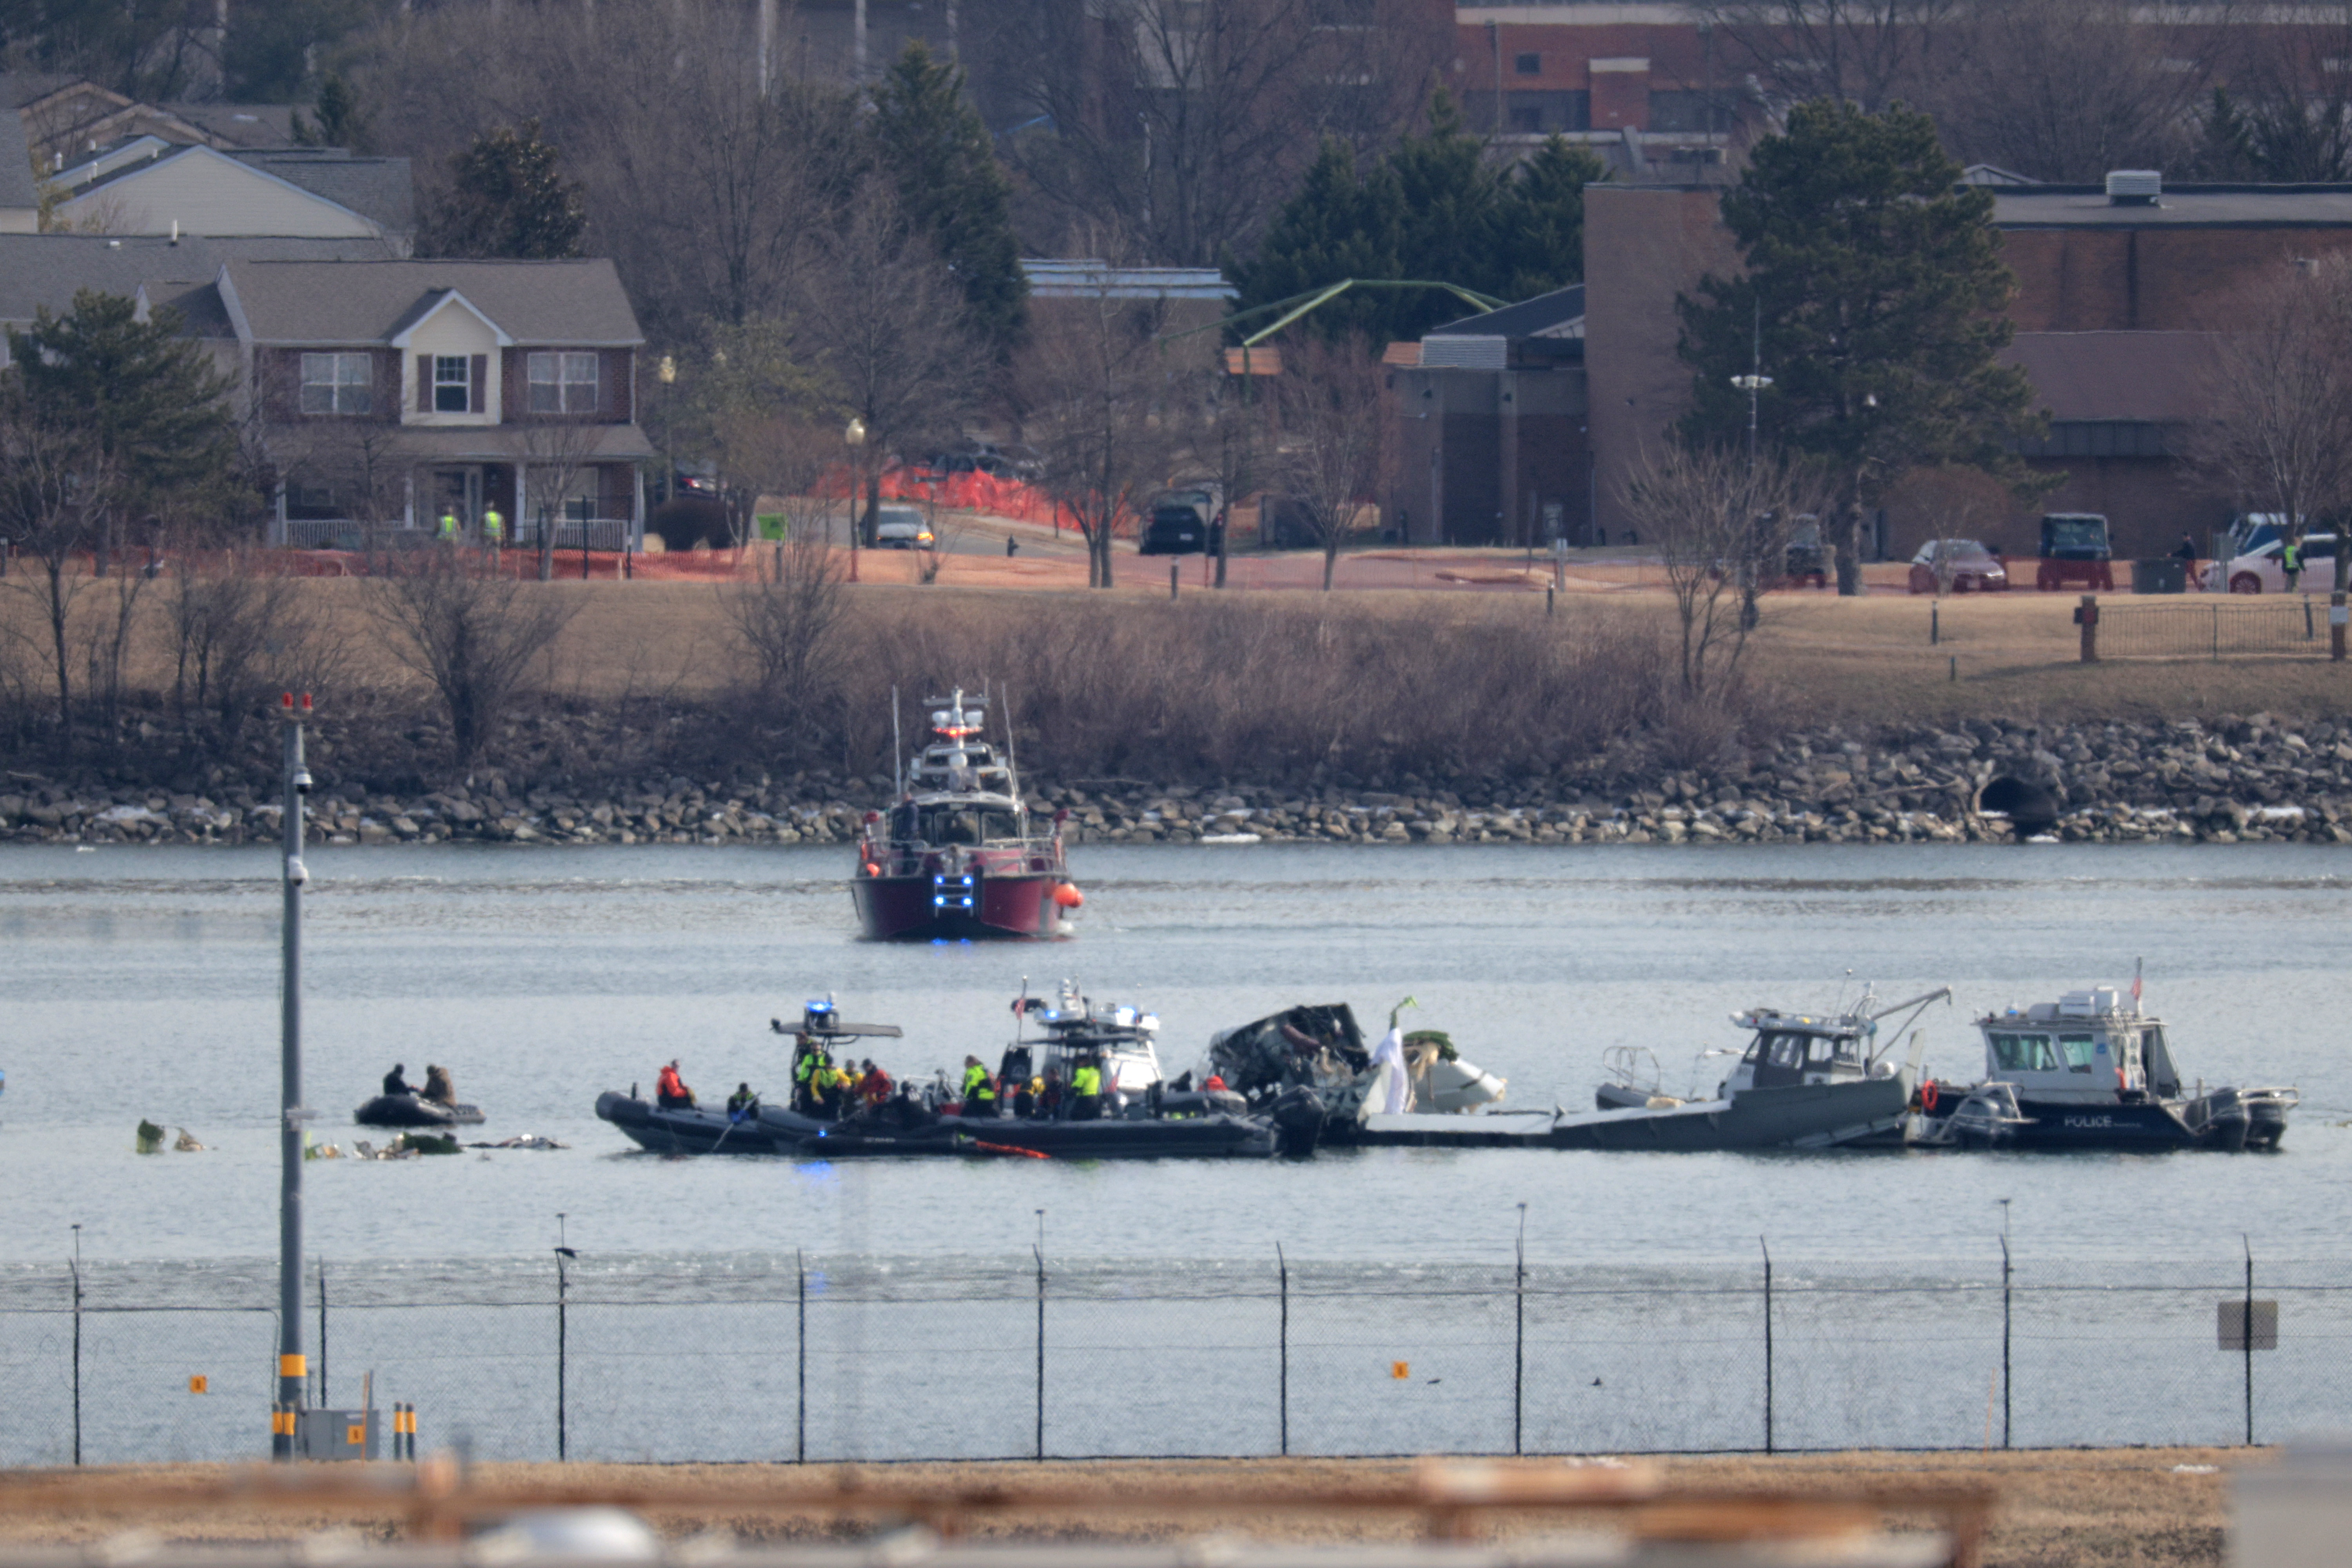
(391, 393)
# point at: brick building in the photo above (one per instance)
(2115, 299)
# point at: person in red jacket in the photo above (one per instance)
(875, 1088)
(670, 1092)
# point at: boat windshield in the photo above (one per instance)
(2022, 1053)
(2077, 1051)
(964, 824)
(1791, 1048)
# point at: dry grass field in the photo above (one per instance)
(1298, 666)
(2130, 1508)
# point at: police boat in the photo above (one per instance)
(2092, 1071)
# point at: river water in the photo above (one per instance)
(142, 981)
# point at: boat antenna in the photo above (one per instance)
(1838, 1006)
(1012, 767)
(898, 752)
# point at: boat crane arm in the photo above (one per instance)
(1941, 994)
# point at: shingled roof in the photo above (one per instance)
(38, 269)
(294, 302)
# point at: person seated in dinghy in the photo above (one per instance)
(874, 1086)
(670, 1092)
(742, 1105)
(394, 1082)
(438, 1087)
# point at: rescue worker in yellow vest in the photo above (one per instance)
(809, 1074)
(494, 527)
(2291, 562)
(448, 525)
(979, 1090)
(1086, 1092)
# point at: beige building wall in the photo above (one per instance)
(1643, 244)
(451, 330)
(206, 194)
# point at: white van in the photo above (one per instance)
(2258, 569)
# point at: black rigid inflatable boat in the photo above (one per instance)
(414, 1110)
(905, 1129)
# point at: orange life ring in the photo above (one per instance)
(1929, 1095)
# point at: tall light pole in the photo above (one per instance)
(854, 434)
(293, 1368)
(1755, 380)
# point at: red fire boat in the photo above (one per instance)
(957, 859)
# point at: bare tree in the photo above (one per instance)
(240, 632)
(2284, 109)
(1092, 391)
(2281, 392)
(1720, 521)
(556, 451)
(706, 178)
(473, 632)
(1335, 424)
(360, 465)
(55, 485)
(789, 626)
(2067, 89)
(1185, 122)
(884, 320)
(1871, 53)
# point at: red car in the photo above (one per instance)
(1962, 565)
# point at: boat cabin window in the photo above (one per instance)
(2078, 1051)
(2023, 1053)
(966, 825)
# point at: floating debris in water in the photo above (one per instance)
(186, 1143)
(151, 1137)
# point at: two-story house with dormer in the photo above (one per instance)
(391, 395)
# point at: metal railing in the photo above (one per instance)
(603, 534)
(2215, 629)
(887, 1359)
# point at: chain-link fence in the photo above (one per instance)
(879, 1359)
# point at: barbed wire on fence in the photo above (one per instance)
(879, 1359)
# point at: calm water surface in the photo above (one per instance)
(143, 983)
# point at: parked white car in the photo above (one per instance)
(2258, 572)
(901, 528)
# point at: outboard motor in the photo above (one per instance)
(1298, 1114)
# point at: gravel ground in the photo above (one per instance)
(2133, 1508)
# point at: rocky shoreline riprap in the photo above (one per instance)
(2235, 780)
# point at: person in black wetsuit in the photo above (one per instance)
(394, 1083)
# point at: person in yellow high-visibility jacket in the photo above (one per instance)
(1086, 1091)
(494, 527)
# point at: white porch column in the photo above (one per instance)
(522, 504)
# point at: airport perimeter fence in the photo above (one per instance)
(2297, 623)
(789, 1359)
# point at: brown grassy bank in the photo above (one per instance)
(2104, 1509)
(1371, 688)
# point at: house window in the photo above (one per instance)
(1525, 120)
(563, 384)
(453, 384)
(1527, 65)
(337, 383)
(1684, 111)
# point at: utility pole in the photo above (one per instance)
(292, 1366)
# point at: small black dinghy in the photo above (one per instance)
(414, 1110)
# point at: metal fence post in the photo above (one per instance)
(321, 1385)
(800, 1342)
(1282, 1267)
(2248, 1336)
(1767, 1343)
(562, 1356)
(1519, 1336)
(76, 1265)
(2004, 1340)
(1040, 1350)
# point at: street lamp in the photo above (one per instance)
(854, 434)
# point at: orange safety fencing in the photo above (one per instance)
(975, 491)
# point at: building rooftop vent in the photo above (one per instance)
(2134, 188)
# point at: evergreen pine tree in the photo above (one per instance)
(1873, 297)
(1540, 220)
(151, 398)
(936, 153)
(508, 200)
